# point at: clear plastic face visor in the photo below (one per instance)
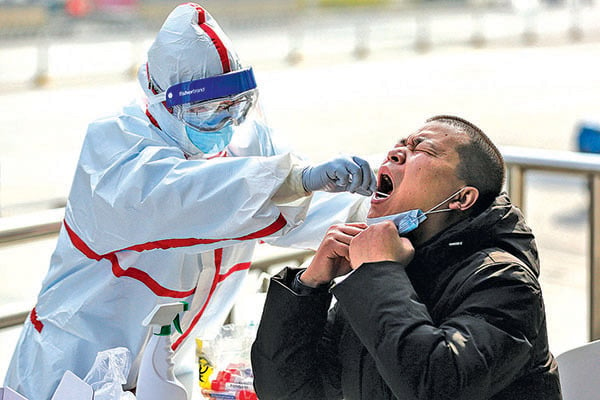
(215, 114)
(211, 103)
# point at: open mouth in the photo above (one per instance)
(385, 187)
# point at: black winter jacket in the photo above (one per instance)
(465, 320)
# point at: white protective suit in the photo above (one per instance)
(151, 220)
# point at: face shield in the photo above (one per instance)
(209, 104)
(213, 115)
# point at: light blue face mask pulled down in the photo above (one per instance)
(406, 221)
(410, 220)
(210, 142)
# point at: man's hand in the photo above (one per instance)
(332, 258)
(380, 242)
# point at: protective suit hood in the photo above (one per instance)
(190, 45)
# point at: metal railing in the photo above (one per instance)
(420, 25)
(519, 161)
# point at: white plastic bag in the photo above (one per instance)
(109, 373)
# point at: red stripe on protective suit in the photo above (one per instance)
(171, 243)
(235, 268)
(37, 324)
(201, 15)
(80, 244)
(217, 42)
(222, 153)
(131, 272)
(152, 119)
(217, 279)
(144, 277)
(213, 286)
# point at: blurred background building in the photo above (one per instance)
(335, 76)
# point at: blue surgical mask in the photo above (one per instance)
(210, 142)
(406, 221)
(410, 220)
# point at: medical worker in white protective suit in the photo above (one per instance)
(168, 202)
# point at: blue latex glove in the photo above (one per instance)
(342, 174)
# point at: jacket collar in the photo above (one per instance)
(501, 225)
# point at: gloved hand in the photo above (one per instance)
(342, 174)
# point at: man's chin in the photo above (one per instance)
(374, 213)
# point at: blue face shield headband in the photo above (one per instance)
(410, 220)
(211, 88)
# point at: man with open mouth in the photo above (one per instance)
(437, 295)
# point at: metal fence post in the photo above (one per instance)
(516, 185)
(295, 41)
(477, 31)
(594, 270)
(422, 31)
(575, 32)
(361, 44)
(41, 77)
(529, 15)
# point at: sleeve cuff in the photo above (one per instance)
(303, 290)
(292, 188)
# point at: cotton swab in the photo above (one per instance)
(381, 194)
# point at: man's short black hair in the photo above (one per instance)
(481, 163)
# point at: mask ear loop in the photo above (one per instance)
(433, 210)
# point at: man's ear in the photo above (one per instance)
(466, 199)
